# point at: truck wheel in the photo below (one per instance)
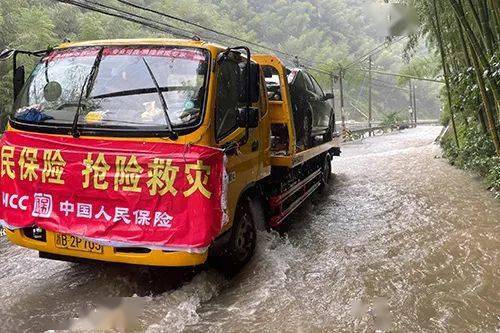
(326, 173)
(243, 240)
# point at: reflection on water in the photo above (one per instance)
(402, 242)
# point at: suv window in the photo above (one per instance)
(273, 83)
(228, 88)
(309, 83)
(317, 87)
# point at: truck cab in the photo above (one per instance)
(137, 104)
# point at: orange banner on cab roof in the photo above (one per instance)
(120, 193)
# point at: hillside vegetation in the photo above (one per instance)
(467, 36)
(322, 33)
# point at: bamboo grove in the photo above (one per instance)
(466, 34)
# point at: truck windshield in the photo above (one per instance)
(120, 91)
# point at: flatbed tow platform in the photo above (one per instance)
(296, 173)
(292, 161)
(308, 170)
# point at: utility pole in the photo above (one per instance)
(410, 105)
(341, 84)
(415, 103)
(370, 95)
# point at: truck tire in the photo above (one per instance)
(243, 239)
(326, 173)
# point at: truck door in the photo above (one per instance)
(243, 164)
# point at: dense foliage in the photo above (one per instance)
(322, 33)
(476, 154)
(466, 34)
(391, 120)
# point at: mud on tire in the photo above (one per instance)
(240, 247)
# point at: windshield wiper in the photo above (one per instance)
(140, 91)
(171, 133)
(86, 89)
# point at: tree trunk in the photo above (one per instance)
(482, 119)
(493, 4)
(487, 106)
(476, 44)
(480, 111)
(437, 28)
(478, 50)
(476, 16)
(487, 30)
(468, 62)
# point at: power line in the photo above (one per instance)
(372, 52)
(389, 87)
(152, 25)
(400, 75)
(382, 83)
(316, 70)
(145, 21)
(174, 30)
(261, 46)
(128, 3)
(191, 33)
(138, 16)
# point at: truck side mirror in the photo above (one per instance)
(18, 80)
(248, 117)
(19, 72)
(253, 75)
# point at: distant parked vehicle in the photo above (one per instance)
(313, 114)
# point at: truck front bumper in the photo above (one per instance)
(109, 254)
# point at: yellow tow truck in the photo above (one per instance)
(223, 101)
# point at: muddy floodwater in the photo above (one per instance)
(402, 242)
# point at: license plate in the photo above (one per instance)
(74, 243)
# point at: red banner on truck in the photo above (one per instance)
(114, 192)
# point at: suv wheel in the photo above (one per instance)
(307, 130)
(328, 136)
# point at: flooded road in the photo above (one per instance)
(401, 242)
